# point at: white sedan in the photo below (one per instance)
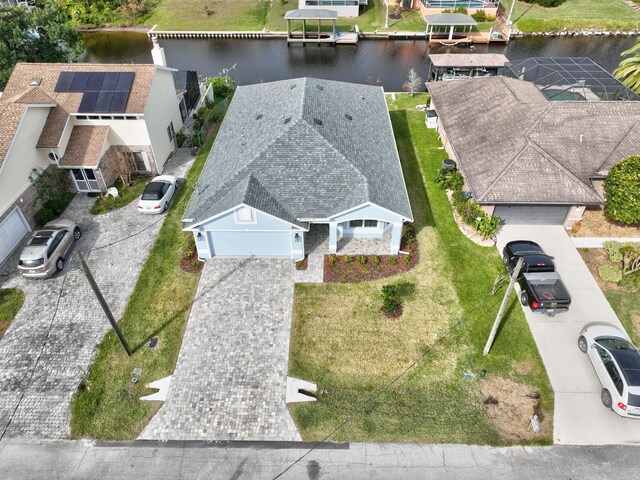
(157, 194)
(617, 365)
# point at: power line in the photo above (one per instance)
(387, 387)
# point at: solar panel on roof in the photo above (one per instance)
(104, 102)
(124, 82)
(64, 82)
(79, 82)
(95, 82)
(110, 81)
(88, 103)
(119, 102)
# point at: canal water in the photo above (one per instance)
(381, 62)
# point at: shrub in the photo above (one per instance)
(449, 179)
(332, 259)
(613, 250)
(347, 259)
(390, 298)
(56, 205)
(343, 277)
(180, 138)
(610, 273)
(361, 259)
(376, 260)
(406, 259)
(350, 269)
(546, 3)
(222, 86)
(43, 216)
(479, 16)
(188, 246)
(392, 260)
(365, 270)
(622, 191)
(487, 225)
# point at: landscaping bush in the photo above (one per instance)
(222, 86)
(43, 216)
(390, 298)
(481, 16)
(622, 191)
(610, 273)
(546, 3)
(449, 179)
(180, 138)
(613, 250)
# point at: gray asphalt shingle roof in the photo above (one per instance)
(314, 147)
(515, 146)
(450, 19)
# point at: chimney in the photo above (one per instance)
(157, 52)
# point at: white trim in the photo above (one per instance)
(369, 204)
(192, 227)
(252, 230)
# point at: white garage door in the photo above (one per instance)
(12, 229)
(532, 214)
(251, 244)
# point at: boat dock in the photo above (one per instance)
(313, 32)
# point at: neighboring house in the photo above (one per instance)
(344, 8)
(294, 153)
(84, 118)
(527, 159)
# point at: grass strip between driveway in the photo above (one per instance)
(107, 405)
(11, 300)
(106, 203)
(342, 342)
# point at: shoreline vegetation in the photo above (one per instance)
(574, 17)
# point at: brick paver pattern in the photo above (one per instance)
(46, 352)
(230, 379)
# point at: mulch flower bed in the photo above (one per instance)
(395, 314)
(191, 264)
(303, 264)
(359, 268)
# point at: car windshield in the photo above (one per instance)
(615, 343)
(31, 263)
(153, 191)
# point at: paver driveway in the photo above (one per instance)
(579, 417)
(46, 352)
(230, 379)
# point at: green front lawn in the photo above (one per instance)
(11, 299)
(627, 308)
(573, 15)
(106, 203)
(342, 342)
(107, 405)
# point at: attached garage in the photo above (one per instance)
(250, 243)
(532, 214)
(12, 229)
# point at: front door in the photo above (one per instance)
(85, 180)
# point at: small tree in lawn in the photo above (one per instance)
(123, 165)
(413, 84)
(622, 191)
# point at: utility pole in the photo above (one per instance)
(386, 19)
(513, 2)
(496, 323)
(103, 302)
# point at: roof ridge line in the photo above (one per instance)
(624, 137)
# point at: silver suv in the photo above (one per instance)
(47, 250)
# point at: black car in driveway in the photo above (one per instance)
(541, 286)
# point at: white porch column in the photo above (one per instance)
(451, 32)
(333, 237)
(396, 236)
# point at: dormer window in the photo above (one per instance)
(245, 215)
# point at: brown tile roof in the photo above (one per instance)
(85, 146)
(515, 146)
(69, 102)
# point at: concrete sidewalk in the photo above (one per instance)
(579, 417)
(259, 460)
(597, 242)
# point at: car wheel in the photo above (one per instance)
(524, 299)
(77, 234)
(607, 401)
(60, 264)
(582, 344)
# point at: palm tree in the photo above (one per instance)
(628, 72)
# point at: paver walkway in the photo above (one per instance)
(579, 416)
(51, 343)
(230, 379)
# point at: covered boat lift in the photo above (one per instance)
(449, 25)
(315, 34)
(454, 66)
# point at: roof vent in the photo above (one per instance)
(259, 116)
(35, 81)
(293, 86)
(317, 121)
(287, 120)
(320, 87)
(348, 117)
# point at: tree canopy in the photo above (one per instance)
(628, 72)
(622, 191)
(42, 35)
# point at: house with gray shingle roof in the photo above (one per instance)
(527, 159)
(294, 153)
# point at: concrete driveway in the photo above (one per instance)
(230, 379)
(48, 348)
(579, 417)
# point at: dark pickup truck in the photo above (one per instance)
(541, 286)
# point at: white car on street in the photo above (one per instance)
(617, 365)
(157, 194)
